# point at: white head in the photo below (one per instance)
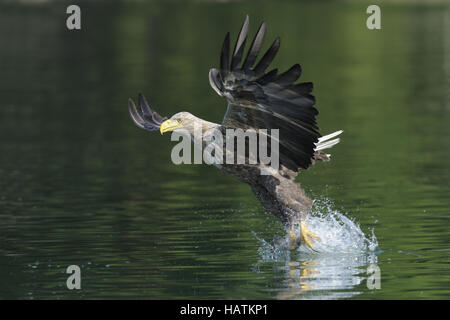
(187, 121)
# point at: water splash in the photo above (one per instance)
(338, 235)
(337, 232)
(336, 268)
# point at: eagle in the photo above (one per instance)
(259, 99)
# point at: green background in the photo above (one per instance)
(81, 184)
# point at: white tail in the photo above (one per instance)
(325, 142)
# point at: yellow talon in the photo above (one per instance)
(306, 235)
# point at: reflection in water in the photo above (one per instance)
(326, 276)
(338, 265)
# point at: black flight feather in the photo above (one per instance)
(240, 44)
(289, 76)
(225, 54)
(268, 77)
(268, 57)
(255, 47)
(144, 117)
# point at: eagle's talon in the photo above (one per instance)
(307, 236)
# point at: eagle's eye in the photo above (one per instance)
(179, 120)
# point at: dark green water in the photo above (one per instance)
(81, 184)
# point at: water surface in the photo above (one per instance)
(81, 184)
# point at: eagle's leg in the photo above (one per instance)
(306, 236)
(294, 239)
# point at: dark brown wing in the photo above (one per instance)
(267, 100)
(144, 117)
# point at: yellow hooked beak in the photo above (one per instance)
(169, 125)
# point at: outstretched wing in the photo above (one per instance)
(267, 100)
(144, 117)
